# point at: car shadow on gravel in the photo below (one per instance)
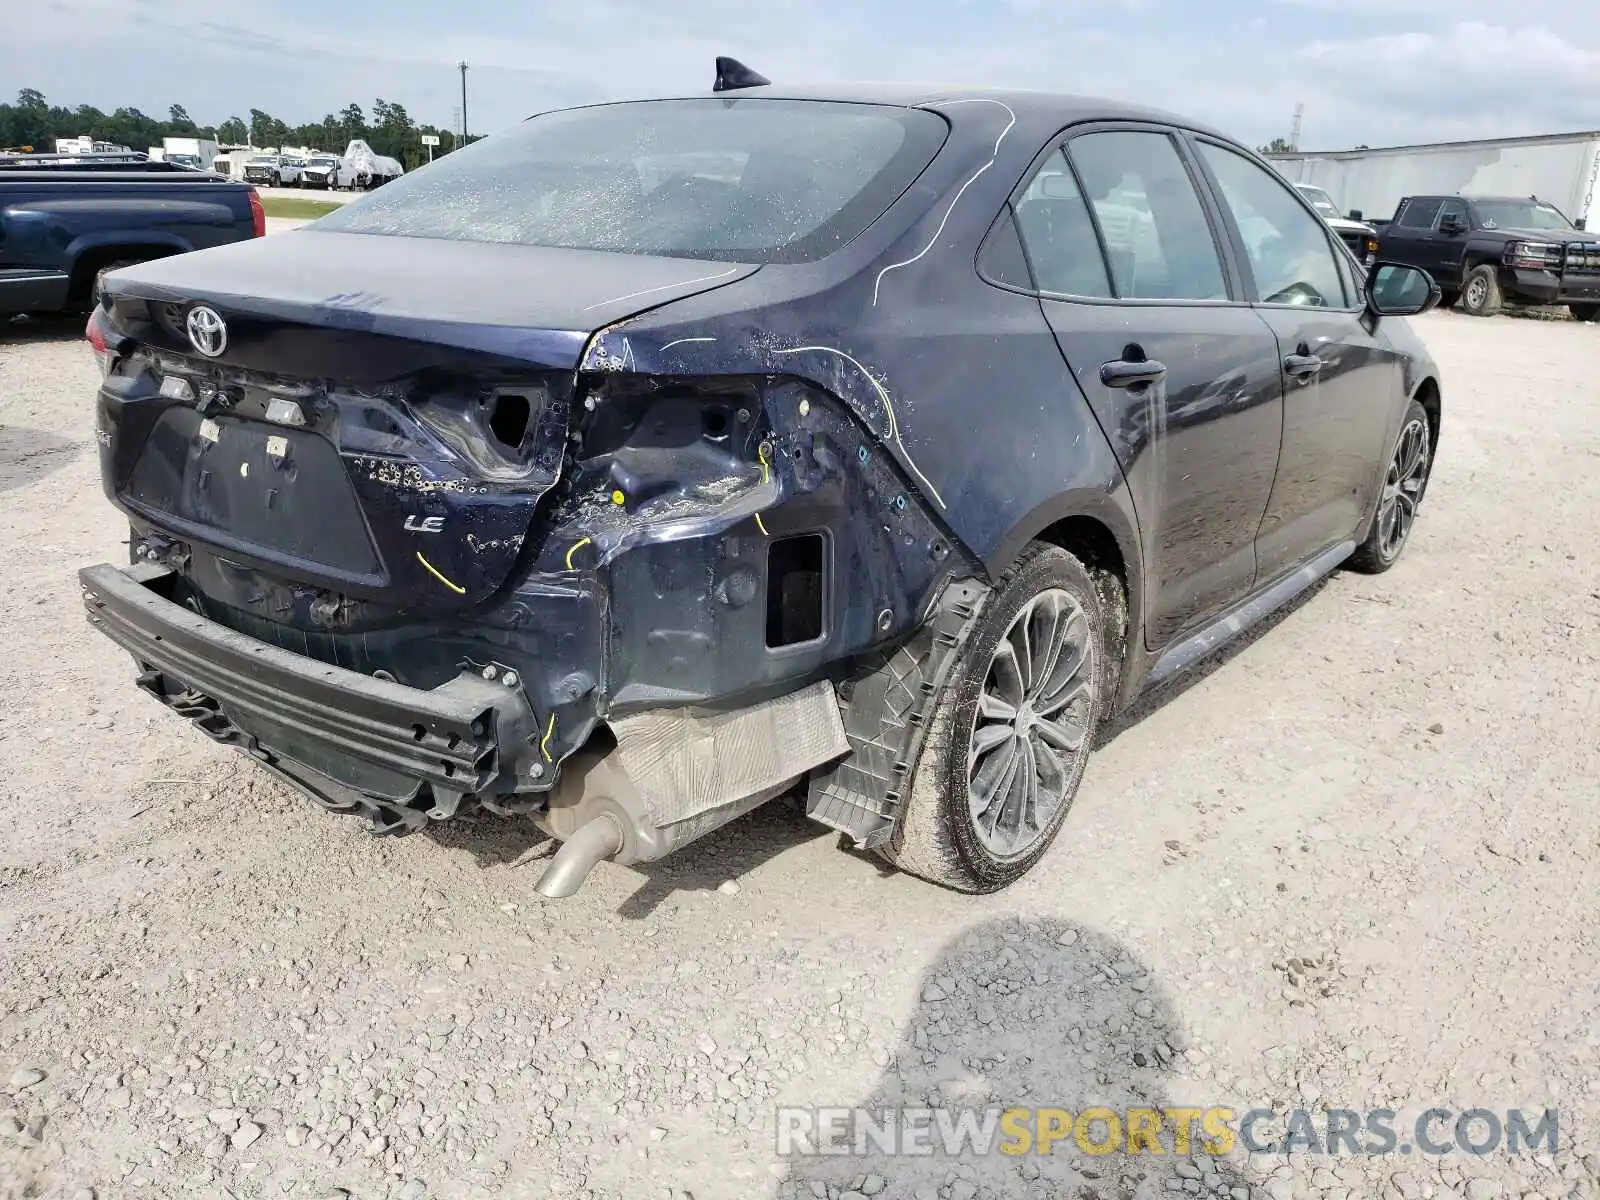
(1050, 1018)
(27, 455)
(46, 327)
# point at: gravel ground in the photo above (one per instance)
(1352, 864)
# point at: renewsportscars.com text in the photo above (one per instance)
(1217, 1131)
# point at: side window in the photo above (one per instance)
(1001, 258)
(1452, 208)
(1289, 249)
(1354, 281)
(1059, 236)
(1419, 214)
(1156, 233)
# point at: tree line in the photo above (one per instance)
(33, 121)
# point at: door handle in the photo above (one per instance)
(1302, 366)
(1125, 373)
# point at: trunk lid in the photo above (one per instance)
(376, 419)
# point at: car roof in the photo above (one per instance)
(1031, 107)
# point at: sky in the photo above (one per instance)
(1374, 72)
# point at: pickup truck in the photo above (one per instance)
(63, 226)
(1490, 251)
(272, 170)
(328, 172)
(1360, 238)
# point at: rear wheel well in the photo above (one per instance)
(1427, 395)
(1095, 546)
(92, 261)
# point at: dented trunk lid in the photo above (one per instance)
(380, 447)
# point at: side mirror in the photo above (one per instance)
(1399, 291)
(1355, 215)
(1581, 223)
(1450, 223)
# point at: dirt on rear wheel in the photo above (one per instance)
(1010, 733)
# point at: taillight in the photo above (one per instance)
(258, 215)
(95, 333)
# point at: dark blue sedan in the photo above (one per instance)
(651, 460)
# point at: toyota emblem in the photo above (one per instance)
(208, 332)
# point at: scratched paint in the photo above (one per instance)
(939, 232)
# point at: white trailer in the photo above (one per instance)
(199, 153)
(1560, 169)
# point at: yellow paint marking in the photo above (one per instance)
(544, 742)
(618, 498)
(760, 525)
(434, 571)
(766, 467)
(576, 546)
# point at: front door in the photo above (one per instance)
(1182, 375)
(1339, 378)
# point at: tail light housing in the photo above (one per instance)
(97, 335)
(258, 215)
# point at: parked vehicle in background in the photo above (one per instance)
(199, 153)
(1489, 251)
(664, 456)
(67, 220)
(329, 172)
(84, 144)
(1360, 237)
(370, 168)
(271, 170)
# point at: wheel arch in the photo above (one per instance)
(1426, 393)
(1100, 530)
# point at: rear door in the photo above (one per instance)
(1339, 381)
(1407, 238)
(1180, 373)
(1445, 248)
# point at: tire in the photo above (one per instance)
(1584, 312)
(1402, 491)
(277, 181)
(937, 835)
(1480, 292)
(1448, 298)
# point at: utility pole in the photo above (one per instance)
(1294, 130)
(463, 66)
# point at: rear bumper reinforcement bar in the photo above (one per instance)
(371, 735)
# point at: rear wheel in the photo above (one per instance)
(1009, 734)
(1584, 312)
(1403, 484)
(1480, 295)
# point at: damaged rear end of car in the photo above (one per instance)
(451, 541)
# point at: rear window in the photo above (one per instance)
(744, 180)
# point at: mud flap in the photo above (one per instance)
(884, 710)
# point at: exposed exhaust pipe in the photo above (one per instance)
(595, 840)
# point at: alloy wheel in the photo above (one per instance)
(1032, 724)
(1402, 488)
(1477, 291)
